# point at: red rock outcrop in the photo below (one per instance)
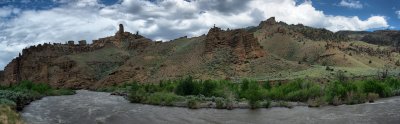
(267, 23)
(123, 39)
(58, 64)
(241, 44)
(36, 63)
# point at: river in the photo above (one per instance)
(87, 107)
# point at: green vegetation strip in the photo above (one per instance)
(15, 97)
(224, 94)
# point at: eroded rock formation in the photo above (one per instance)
(271, 26)
(241, 44)
(70, 65)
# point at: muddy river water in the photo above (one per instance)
(87, 107)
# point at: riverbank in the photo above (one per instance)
(223, 94)
(101, 107)
(16, 97)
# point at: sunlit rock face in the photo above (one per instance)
(241, 44)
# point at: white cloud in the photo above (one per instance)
(351, 4)
(5, 11)
(398, 13)
(305, 13)
(167, 19)
(336, 23)
(8, 10)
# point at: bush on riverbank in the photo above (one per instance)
(225, 93)
(26, 91)
(356, 92)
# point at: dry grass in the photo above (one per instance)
(9, 116)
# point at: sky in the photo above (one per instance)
(30, 22)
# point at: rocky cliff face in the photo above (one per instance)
(37, 63)
(316, 34)
(62, 65)
(241, 44)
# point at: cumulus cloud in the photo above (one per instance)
(398, 13)
(5, 11)
(292, 13)
(351, 4)
(8, 11)
(336, 23)
(158, 20)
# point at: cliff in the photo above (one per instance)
(239, 43)
(59, 65)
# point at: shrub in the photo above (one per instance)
(315, 102)
(134, 86)
(329, 69)
(208, 88)
(267, 85)
(252, 93)
(336, 101)
(373, 86)
(393, 82)
(334, 92)
(17, 97)
(371, 97)
(137, 96)
(309, 91)
(220, 103)
(8, 102)
(229, 104)
(254, 104)
(245, 85)
(266, 104)
(341, 76)
(42, 88)
(151, 88)
(297, 90)
(193, 103)
(355, 98)
(276, 93)
(186, 87)
(23, 85)
(162, 98)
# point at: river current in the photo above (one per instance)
(87, 107)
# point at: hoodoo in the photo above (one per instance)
(121, 29)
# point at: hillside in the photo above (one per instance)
(271, 51)
(378, 37)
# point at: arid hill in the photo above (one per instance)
(271, 51)
(379, 37)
